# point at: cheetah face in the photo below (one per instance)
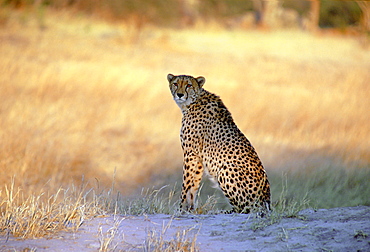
(185, 89)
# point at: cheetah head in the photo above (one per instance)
(185, 89)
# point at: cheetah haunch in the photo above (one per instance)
(212, 143)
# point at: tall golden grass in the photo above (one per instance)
(76, 100)
(79, 99)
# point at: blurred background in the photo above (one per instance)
(84, 96)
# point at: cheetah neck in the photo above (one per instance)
(184, 106)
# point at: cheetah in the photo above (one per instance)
(213, 144)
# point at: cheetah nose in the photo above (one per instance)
(180, 95)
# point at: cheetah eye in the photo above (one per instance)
(175, 84)
(189, 86)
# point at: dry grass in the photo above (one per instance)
(37, 214)
(106, 239)
(184, 240)
(79, 100)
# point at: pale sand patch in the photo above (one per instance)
(337, 229)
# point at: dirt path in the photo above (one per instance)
(337, 229)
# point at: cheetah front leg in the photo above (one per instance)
(192, 175)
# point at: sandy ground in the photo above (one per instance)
(337, 229)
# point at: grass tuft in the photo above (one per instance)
(183, 240)
(289, 207)
(41, 214)
(150, 201)
(106, 240)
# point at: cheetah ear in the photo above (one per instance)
(201, 80)
(170, 77)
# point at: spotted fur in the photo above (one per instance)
(212, 143)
